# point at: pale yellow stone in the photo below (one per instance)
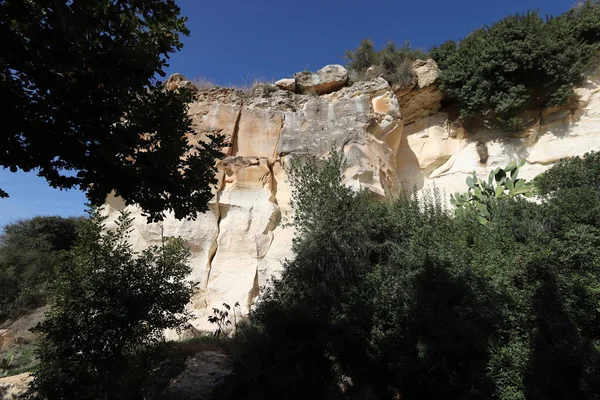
(239, 244)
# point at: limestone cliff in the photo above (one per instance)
(391, 138)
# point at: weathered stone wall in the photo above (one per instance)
(391, 138)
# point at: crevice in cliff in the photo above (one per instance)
(275, 217)
(212, 252)
(233, 150)
(214, 247)
(254, 292)
(273, 183)
(276, 151)
(544, 163)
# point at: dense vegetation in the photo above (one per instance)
(84, 108)
(109, 310)
(408, 300)
(30, 252)
(495, 74)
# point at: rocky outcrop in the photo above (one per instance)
(14, 387)
(326, 80)
(423, 97)
(177, 81)
(288, 84)
(391, 139)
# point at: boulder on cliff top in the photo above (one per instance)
(177, 81)
(326, 80)
(288, 84)
(426, 71)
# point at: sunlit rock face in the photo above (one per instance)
(392, 139)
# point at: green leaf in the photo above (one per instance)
(499, 191)
(514, 173)
(521, 191)
(482, 209)
(509, 184)
(477, 193)
(470, 182)
(519, 183)
(511, 166)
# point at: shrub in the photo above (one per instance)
(29, 254)
(402, 299)
(110, 306)
(521, 62)
(393, 62)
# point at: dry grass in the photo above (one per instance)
(247, 87)
(17, 356)
(203, 84)
(250, 84)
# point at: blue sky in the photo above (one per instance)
(236, 42)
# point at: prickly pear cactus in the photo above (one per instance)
(483, 196)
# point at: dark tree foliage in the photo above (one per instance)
(110, 307)
(81, 104)
(30, 252)
(407, 300)
(522, 62)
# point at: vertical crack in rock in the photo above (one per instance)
(234, 135)
(213, 249)
(215, 244)
(263, 244)
(276, 150)
(275, 217)
(254, 292)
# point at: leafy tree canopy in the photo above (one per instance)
(30, 252)
(110, 306)
(82, 105)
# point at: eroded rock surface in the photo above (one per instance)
(326, 80)
(14, 387)
(424, 97)
(391, 139)
(288, 84)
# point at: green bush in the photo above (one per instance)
(110, 307)
(404, 299)
(520, 63)
(394, 63)
(30, 252)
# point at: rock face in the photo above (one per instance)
(391, 138)
(325, 80)
(177, 81)
(422, 98)
(13, 387)
(288, 84)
